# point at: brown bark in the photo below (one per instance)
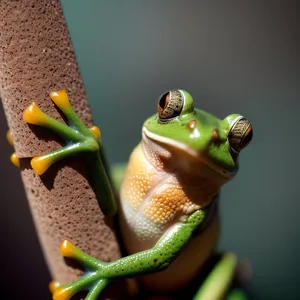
(36, 57)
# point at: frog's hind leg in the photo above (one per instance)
(219, 280)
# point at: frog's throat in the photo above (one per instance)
(177, 145)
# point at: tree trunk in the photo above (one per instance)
(37, 57)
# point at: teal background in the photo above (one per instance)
(232, 56)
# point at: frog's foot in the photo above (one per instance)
(78, 137)
(219, 280)
(92, 281)
(53, 286)
(79, 140)
(13, 158)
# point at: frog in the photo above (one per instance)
(168, 199)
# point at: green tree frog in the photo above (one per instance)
(168, 199)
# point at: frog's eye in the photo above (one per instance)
(240, 135)
(170, 105)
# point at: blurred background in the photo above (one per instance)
(232, 56)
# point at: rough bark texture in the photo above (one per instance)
(36, 57)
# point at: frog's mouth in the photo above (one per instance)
(193, 153)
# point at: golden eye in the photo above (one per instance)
(170, 105)
(240, 135)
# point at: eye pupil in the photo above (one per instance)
(170, 105)
(248, 137)
(163, 100)
(240, 135)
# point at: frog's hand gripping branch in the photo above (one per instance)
(99, 273)
(79, 140)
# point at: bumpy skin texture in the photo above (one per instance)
(81, 140)
(152, 202)
(184, 158)
(36, 57)
(168, 195)
(36, 52)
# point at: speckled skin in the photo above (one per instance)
(168, 196)
(173, 173)
(154, 199)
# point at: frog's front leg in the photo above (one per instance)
(79, 140)
(156, 259)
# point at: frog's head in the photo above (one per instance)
(181, 128)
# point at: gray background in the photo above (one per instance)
(233, 56)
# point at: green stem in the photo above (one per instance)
(219, 280)
(237, 294)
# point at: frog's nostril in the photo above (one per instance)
(192, 124)
(216, 134)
